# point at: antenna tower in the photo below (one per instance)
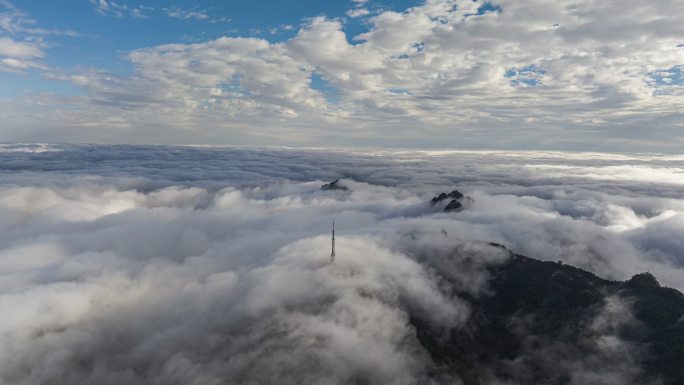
(332, 254)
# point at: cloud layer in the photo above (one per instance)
(602, 75)
(149, 264)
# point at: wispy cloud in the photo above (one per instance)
(119, 9)
(17, 57)
(195, 14)
(358, 12)
(22, 43)
(281, 28)
(13, 20)
(177, 13)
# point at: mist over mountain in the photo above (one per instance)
(200, 265)
(258, 209)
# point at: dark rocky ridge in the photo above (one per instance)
(454, 198)
(540, 323)
(334, 185)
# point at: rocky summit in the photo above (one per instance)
(454, 199)
(334, 185)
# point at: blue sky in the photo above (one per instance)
(103, 39)
(423, 73)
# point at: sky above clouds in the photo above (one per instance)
(576, 75)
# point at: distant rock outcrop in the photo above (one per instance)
(334, 185)
(455, 199)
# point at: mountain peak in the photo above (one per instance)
(644, 280)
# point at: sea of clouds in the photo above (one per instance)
(204, 265)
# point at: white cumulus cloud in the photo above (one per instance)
(506, 74)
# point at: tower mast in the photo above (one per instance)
(332, 254)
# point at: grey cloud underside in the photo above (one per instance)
(164, 265)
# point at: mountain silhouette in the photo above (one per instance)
(551, 323)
